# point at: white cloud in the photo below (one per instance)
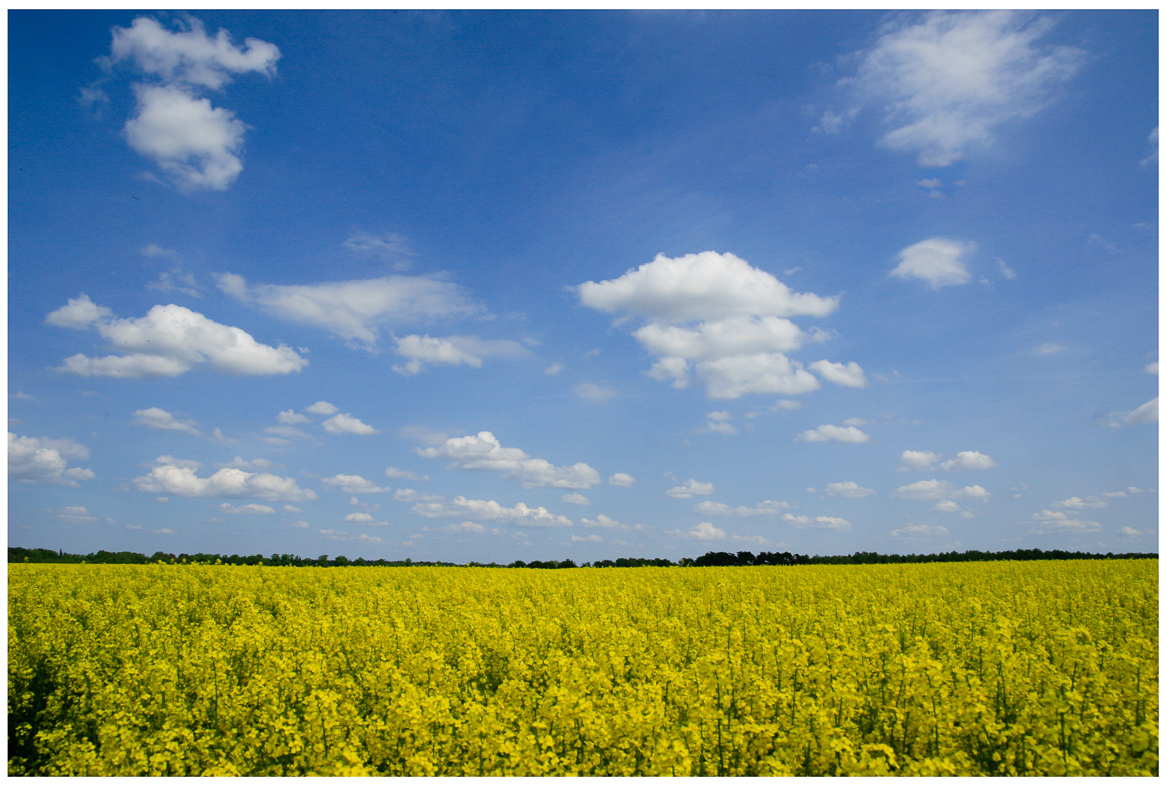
(161, 419)
(1147, 413)
(1152, 368)
(839, 433)
(719, 318)
(939, 489)
(1153, 139)
(586, 539)
(819, 522)
(1130, 532)
(1128, 490)
(394, 472)
(948, 80)
(849, 374)
(354, 310)
(342, 535)
(553, 369)
(703, 531)
(354, 484)
(78, 313)
(75, 514)
(196, 144)
(44, 460)
(389, 247)
(172, 478)
(1057, 521)
(322, 408)
(968, 460)
(689, 489)
(575, 498)
(291, 418)
(169, 341)
(410, 495)
(188, 55)
(849, 489)
(1048, 348)
(484, 452)
(1006, 271)
(252, 508)
(913, 531)
(918, 460)
(787, 404)
(937, 260)
(489, 510)
(766, 507)
(1077, 503)
(601, 521)
(347, 424)
(365, 520)
(590, 391)
(946, 506)
(466, 526)
(718, 423)
(452, 350)
(621, 479)
(701, 286)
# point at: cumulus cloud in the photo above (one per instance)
(913, 531)
(946, 506)
(478, 509)
(767, 507)
(161, 419)
(967, 460)
(1077, 503)
(718, 423)
(394, 472)
(194, 143)
(917, 460)
(939, 489)
(484, 452)
(365, 520)
(590, 391)
(75, 514)
(601, 521)
(848, 375)
(621, 479)
(947, 81)
(849, 489)
(44, 460)
(1058, 521)
(180, 479)
(716, 318)
(703, 531)
(575, 498)
(322, 408)
(252, 508)
(690, 488)
(818, 522)
(347, 424)
(354, 310)
(291, 418)
(168, 341)
(452, 350)
(1147, 413)
(354, 484)
(837, 433)
(937, 260)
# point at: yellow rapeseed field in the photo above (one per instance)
(1016, 668)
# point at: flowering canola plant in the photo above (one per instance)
(1004, 668)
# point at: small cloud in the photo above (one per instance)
(1130, 532)
(322, 408)
(849, 489)
(1153, 158)
(347, 424)
(161, 419)
(621, 479)
(590, 391)
(390, 248)
(1056, 521)
(828, 432)
(1150, 368)
(1147, 413)
(918, 460)
(913, 531)
(968, 460)
(717, 423)
(75, 515)
(785, 404)
(354, 484)
(586, 539)
(601, 521)
(939, 261)
(946, 506)
(1077, 503)
(689, 489)
(291, 418)
(819, 522)
(575, 498)
(250, 509)
(1048, 348)
(394, 472)
(1006, 271)
(1098, 241)
(553, 369)
(703, 531)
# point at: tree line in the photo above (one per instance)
(709, 559)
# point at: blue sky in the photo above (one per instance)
(498, 286)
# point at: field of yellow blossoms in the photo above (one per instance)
(1007, 668)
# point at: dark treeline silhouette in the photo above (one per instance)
(709, 559)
